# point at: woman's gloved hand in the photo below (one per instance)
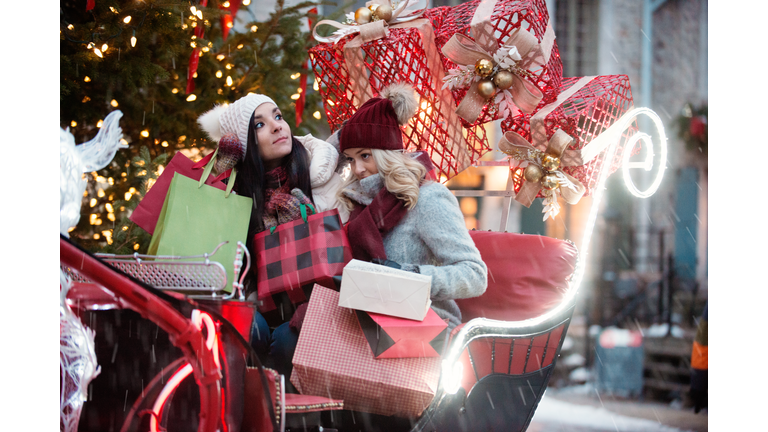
(394, 264)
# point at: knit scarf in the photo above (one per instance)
(282, 200)
(368, 224)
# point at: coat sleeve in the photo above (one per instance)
(324, 180)
(461, 272)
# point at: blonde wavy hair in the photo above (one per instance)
(403, 175)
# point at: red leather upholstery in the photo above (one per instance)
(527, 275)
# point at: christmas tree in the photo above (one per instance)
(163, 64)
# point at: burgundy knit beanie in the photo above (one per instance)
(376, 124)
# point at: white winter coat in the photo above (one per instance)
(324, 180)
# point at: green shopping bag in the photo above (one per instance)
(196, 218)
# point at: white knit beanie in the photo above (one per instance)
(233, 118)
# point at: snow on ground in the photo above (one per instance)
(553, 411)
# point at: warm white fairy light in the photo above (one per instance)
(104, 48)
(295, 76)
(254, 28)
(225, 4)
(316, 115)
(100, 123)
(73, 123)
(219, 74)
(316, 85)
(229, 81)
(240, 46)
(220, 57)
(295, 96)
(133, 41)
(98, 52)
(127, 19)
(113, 103)
(191, 98)
(145, 133)
(246, 2)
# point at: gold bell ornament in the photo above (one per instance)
(549, 181)
(549, 162)
(382, 12)
(503, 79)
(483, 67)
(363, 15)
(532, 173)
(486, 88)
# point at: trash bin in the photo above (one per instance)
(619, 362)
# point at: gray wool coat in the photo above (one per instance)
(433, 240)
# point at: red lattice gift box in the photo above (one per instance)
(491, 24)
(585, 109)
(352, 71)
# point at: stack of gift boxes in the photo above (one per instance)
(470, 64)
(421, 49)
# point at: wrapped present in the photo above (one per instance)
(385, 290)
(333, 360)
(393, 337)
(358, 61)
(500, 57)
(560, 148)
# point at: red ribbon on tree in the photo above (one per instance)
(228, 21)
(303, 80)
(194, 58)
(90, 4)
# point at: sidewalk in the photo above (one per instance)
(581, 409)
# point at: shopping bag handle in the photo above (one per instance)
(209, 162)
(304, 214)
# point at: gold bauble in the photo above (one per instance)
(503, 79)
(549, 181)
(483, 67)
(382, 12)
(486, 88)
(549, 162)
(363, 15)
(533, 173)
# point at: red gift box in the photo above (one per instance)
(333, 359)
(297, 253)
(394, 337)
(586, 109)
(492, 23)
(350, 71)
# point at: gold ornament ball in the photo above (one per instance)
(549, 162)
(363, 15)
(533, 173)
(382, 12)
(503, 79)
(549, 181)
(486, 88)
(483, 67)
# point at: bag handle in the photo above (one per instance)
(209, 162)
(304, 214)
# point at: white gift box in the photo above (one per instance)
(385, 290)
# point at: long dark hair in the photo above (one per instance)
(251, 179)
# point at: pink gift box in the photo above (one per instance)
(333, 359)
(394, 337)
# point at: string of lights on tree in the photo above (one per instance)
(163, 64)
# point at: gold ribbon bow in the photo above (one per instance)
(489, 68)
(373, 30)
(542, 170)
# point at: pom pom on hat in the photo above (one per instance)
(376, 124)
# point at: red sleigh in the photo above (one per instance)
(527, 306)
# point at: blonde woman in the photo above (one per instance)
(399, 217)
